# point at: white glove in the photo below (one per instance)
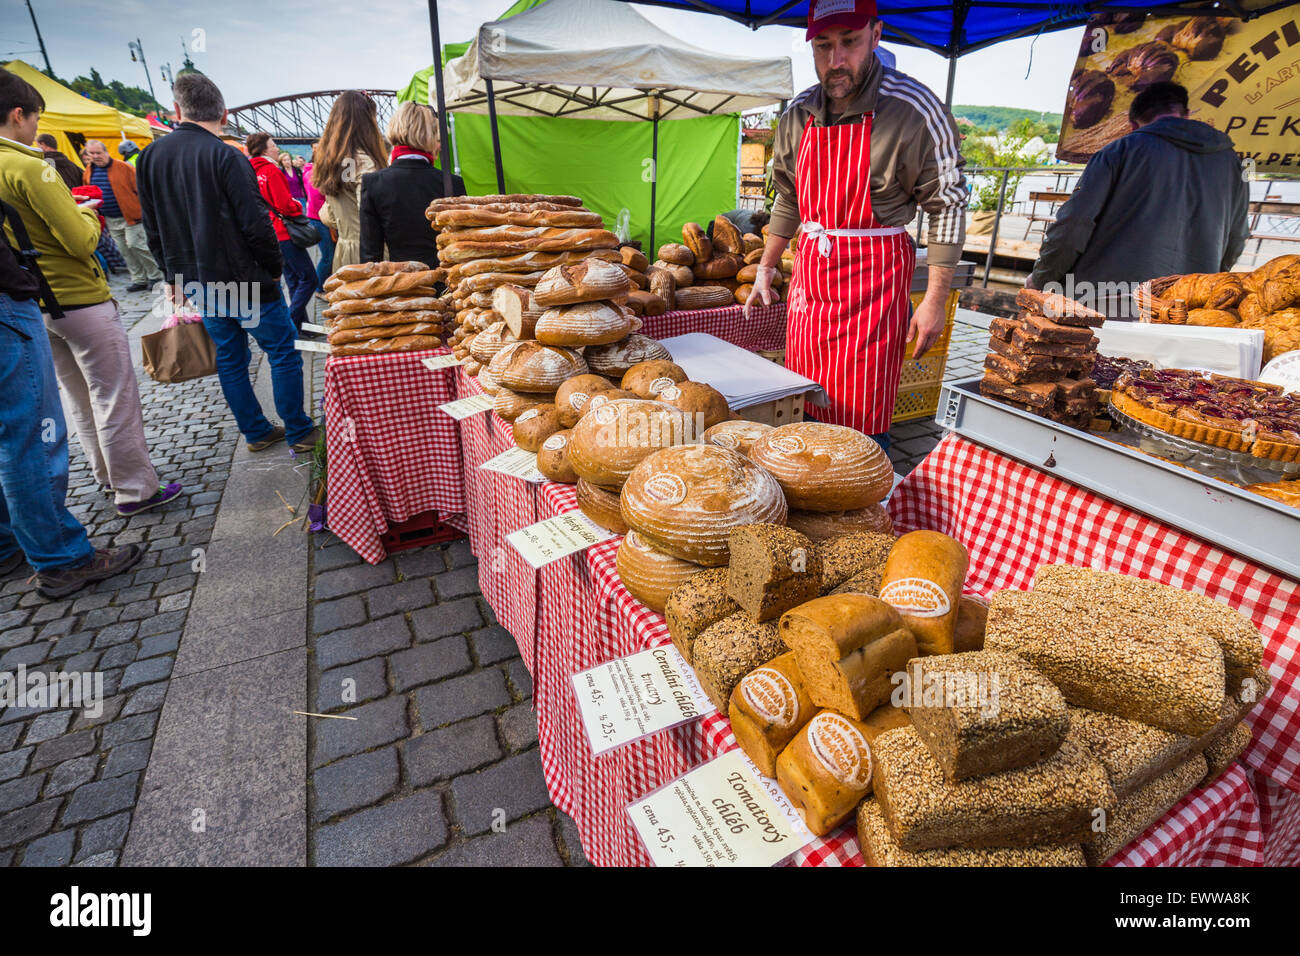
(761, 294)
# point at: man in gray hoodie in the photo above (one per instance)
(1170, 198)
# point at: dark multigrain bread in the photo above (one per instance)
(994, 712)
(1223, 752)
(1050, 802)
(849, 555)
(772, 569)
(868, 582)
(1142, 808)
(697, 605)
(880, 849)
(1133, 753)
(730, 649)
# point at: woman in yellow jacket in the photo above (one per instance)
(350, 147)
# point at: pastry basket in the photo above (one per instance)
(1153, 307)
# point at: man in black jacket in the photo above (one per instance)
(1169, 198)
(68, 171)
(209, 231)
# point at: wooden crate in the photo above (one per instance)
(780, 411)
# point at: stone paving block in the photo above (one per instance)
(150, 575)
(332, 558)
(159, 644)
(454, 617)
(527, 842)
(214, 644)
(519, 726)
(162, 624)
(378, 723)
(461, 697)
(520, 679)
(101, 617)
(368, 683)
(146, 672)
(451, 751)
(57, 629)
(48, 726)
(494, 644)
(63, 748)
(174, 602)
(50, 611)
(354, 782)
(88, 602)
(15, 636)
(127, 757)
(358, 643)
(19, 826)
(571, 840)
(329, 616)
(13, 619)
(128, 729)
(72, 644)
(107, 858)
(104, 835)
(462, 582)
(118, 656)
(420, 563)
(175, 585)
(429, 662)
(396, 598)
(515, 786)
(70, 775)
(362, 577)
(9, 734)
(52, 850)
(459, 555)
(21, 792)
(131, 595)
(145, 699)
(395, 833)
(108, 712)
(102, 798)
(27, 655)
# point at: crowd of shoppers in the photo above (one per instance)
(121, 207)
(299, 273)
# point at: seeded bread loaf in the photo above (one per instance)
(647, 379)
(868, 583)
(609, 442)
(553, 459)
(1142, 808)
(983, 712)
(826, 770)
(848, 647)
(599, 505)
(571, 398)
(772, 569)
(650, 574)
(821, 526)
(1050, 802)
(849, 555)
(730, 649)
(768, 707)
(696, 606)
(738, 435)
(825, 467)
(1133, 753)
(923, 580)
(1223, 753)
(880, 849)
(533, 426)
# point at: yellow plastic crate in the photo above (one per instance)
(922, 379)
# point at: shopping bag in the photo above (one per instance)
(177, 354)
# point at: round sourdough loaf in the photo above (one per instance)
(587, 323)
(510, 405)
(704, 297)
(491, 341)
(615, 359)
(533, 367)
(487, 381)
(609, 441)
(586, 281)
(553, 459)
(698, 241)
(599, 399)
(736, 434)
(825, 467)
(535, 425)
(704, 403)
(649, 574)
(676, 254)
(823, 526)
(648, 379)
(573, 395)
(686, 501)
(600, 506)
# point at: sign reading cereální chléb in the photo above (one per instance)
(1242, 77)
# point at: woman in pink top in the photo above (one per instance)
(315, 199)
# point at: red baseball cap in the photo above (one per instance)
(824, 14)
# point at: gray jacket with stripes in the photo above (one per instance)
(915, 159)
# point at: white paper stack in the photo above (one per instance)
(743, 377)
(1236, 352)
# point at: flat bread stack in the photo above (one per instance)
(385, 307)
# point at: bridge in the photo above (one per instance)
(300, 118)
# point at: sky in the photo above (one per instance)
(256, 50)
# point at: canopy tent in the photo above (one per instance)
(417, 91)
(72, 118)
(566, 74)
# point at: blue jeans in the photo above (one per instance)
(274, 332)
(324, 268)
(34, 448)
(882, 440)
(300, 277)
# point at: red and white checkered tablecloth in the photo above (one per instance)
(392, 455)
(763, 331)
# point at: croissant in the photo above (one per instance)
(1186, 288)
(1255, 280)
(1215, 317)
(1227, 291)
(1281, 292)
(1251, 310)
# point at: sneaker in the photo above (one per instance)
(137, 287)
(308, 444)
(276, 434)
(12, 563)
(164, 494)
(106, 563)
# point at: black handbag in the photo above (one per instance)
(302, 233)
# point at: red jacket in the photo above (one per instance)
(122, 178)
(274, 185)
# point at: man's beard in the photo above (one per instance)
(855, 79)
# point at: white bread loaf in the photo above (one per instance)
(599, 505)
(532, 367)
(821, 526)
(586, 323)
(825, 467)
(648, 573)
(739, 435)
(572, 397)
(587, 281)
(647, 379)
(608, 442)
(553, 459)
(687, 500)
(516, 308)
(615, 359)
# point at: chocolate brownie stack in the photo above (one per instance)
(1041, 360)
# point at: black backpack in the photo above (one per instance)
(20, 276)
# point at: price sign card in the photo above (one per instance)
(308, 345)
(465, 407)
(441, 361)
(636, 696)
(724, 813)
(1284, 371)
(557, 537)
(314, 328)
(516, 463)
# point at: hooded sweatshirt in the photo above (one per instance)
(1167, 199)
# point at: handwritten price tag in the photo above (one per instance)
(307, 345)
(314, 328)
(557, 537)
(465, 407)
(516, 463)
(441, 361)
(633, 697)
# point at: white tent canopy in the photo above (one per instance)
(599, 59)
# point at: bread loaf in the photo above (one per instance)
(553, 459)
(697, 605)
(634, 258)
(821, 526)
(826, 770)
(676, 254)
(609, 442)
(698, 241)
(532, 367)
(767, 708)
(487, 381)
(535, 425)
(515, 306)
(972, 618)
(751, 243)
(571, 398)
(726, 237)
(850, 555)
(650, 574)
(615, 359)
(880, 849)
(848, 647)
(736, 434)
(687, 500)
(646, 303)
(1139, 810)
(771, 569)
(1133, 753)
(491, 341)
(704, 403)
(983, 712)
(719, 267)
(600, 399)
(1223, 753)
(825, 467)
(647, 379)
(400, 343)
(510, 405)
(664, 284)
(923, 578)
(702, 297)
(587, 323)
(599, 505)
(587, 281)
(728, 650)
(368, 270)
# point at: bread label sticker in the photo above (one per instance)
(668, 394)
(842, 750)
(603, 414)
(665, 488)
(531, 413)
(662, 384)
(578, 399)
(555, 442)
(771, 696)
(787, 444)
(916, 597)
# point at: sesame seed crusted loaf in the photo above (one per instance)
(1221, 754)
(1240, 640)
(1131, 665)
(772, 569)
(848, 555)
(868, 582)
(730, 649)
(984, 712)
(696, 606)
(1050, 802)
(880, 849)
(1133, 753)
(1139, 810)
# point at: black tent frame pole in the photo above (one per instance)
(654, 177)
(444, 137)
(952, 78)
(496, 137)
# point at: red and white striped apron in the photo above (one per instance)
(848, 303)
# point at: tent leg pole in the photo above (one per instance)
(444, 138)
(496, 137)
(952, 77)
(654, 179)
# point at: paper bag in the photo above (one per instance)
(180, 353)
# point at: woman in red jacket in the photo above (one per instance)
(299, 273)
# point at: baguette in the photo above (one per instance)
(553, 240)
(361, 320)
(489, 216)
(393, 303)
(526, 262)
(345, 336)
(402, 343)
(368, 270)
(384, 285)
(455, 202)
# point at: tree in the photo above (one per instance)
(992, 149)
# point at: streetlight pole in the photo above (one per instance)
(36, 26)
(135, 46)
